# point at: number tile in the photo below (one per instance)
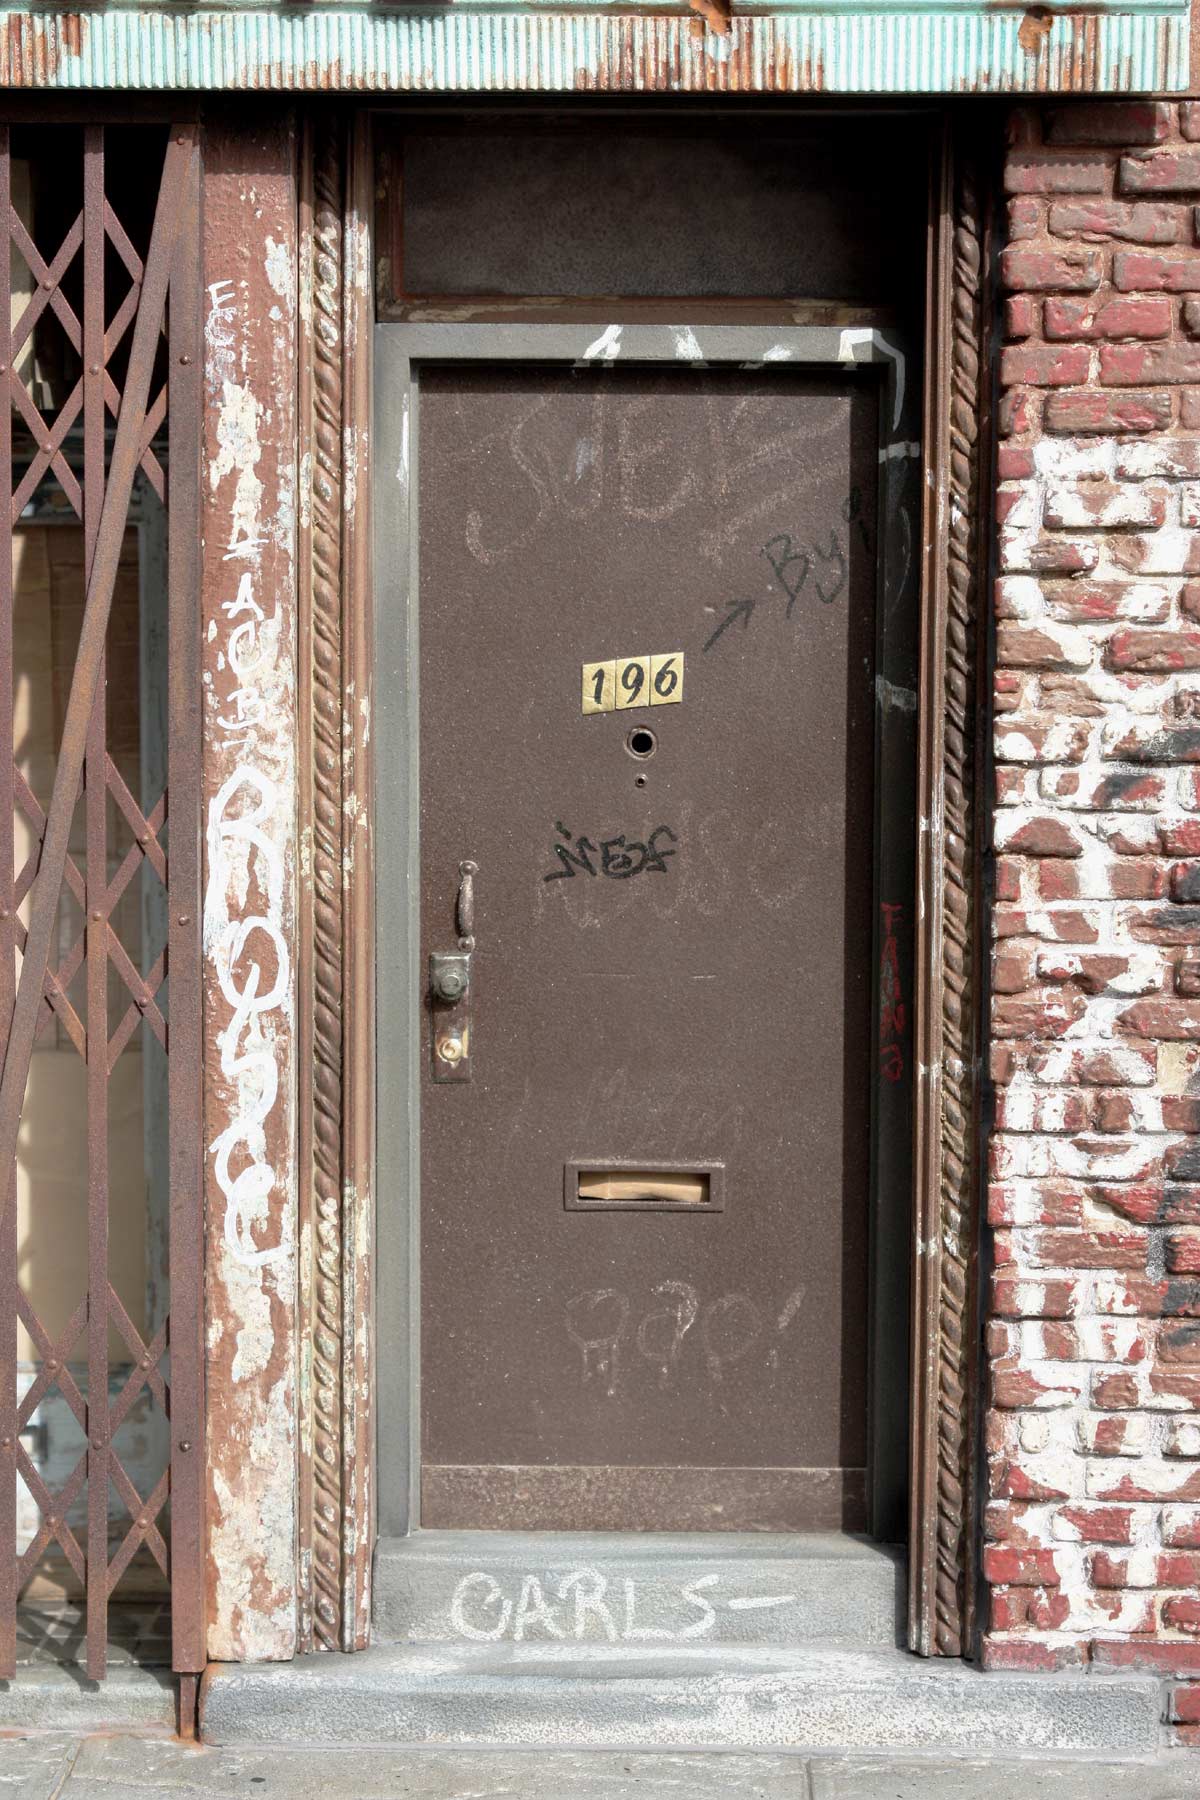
(666, 679)
(599, 686)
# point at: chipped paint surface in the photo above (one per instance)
(960, 46)
(250, 873)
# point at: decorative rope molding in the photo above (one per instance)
(959, 977)
(325, 648)
(336, 945)
(945, 1314)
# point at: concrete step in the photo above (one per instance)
(638, 1697)
(57, 1697)
(603, 1587)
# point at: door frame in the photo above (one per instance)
(335, 966)
(400, 350)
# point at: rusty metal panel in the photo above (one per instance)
(249, 783)
(93, 287)
(963, 47)
(672, 942)
(662, 209)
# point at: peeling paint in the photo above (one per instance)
(251, 859)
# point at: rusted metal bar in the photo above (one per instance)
(8, 971)
(89, 659)
(96, 881)
(184, 1061)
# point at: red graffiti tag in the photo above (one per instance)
(891, 998)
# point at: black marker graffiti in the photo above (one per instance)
(793, 565)
(617, 857)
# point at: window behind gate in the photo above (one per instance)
(100, 1220)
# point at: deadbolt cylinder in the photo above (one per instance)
(449, 976)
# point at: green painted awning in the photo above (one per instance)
(463, 46)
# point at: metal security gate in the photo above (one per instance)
(101, 367)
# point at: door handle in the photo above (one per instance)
(450, 987)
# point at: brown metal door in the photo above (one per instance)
(644, 1214)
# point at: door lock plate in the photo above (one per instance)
(450, 998)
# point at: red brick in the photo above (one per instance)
(1183, 1253)
(1051, 172)
(1019, 1568)
(1044, 365)
(1153, 651)
(1138, 271)
(1138, 318)
(1014, 462)
(1180, 837)
(1187, 1737)
(1115, 1390)
(1083, 411)
(1185, 882)
(1022, 1654)
(1179, 1344)
(1171, 1021)
(1116, 122)
(1012, 1481)
(1043, 1016)
(1087, 1250)
(1020, 317)
(1181, 1527)
(1045, 836)
(1055, 1299)
(1138, 1653)
(1024, 218)
(1160, 172)
(1191, 317)
(1104, 602)
(1182, 1613)
(1145, 365)
(1179, 1568)
(1180, 1385)
(1016, 413)
(1185, 1705)
(1189, 119)
(1098, 221)
(1108, 1571)
(1100, 1524)
(1052, 271)
(1141, 1202)
(1046, 647)
(1171, 925)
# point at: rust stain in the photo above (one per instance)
(717, 14)
(1034, 29)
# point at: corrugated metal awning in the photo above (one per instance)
(958, 47)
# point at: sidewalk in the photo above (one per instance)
(113, 1768)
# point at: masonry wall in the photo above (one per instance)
(1093, 1434)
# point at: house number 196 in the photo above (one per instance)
(625, 681)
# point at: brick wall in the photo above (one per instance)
(1093, 1524)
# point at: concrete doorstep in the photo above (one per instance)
(122, 1768)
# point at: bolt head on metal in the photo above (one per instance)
(450, 1048)
(185, 1446)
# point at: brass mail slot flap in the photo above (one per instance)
(649, 1187)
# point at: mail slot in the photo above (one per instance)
(645, 1187)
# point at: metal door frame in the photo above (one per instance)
(400, 350)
